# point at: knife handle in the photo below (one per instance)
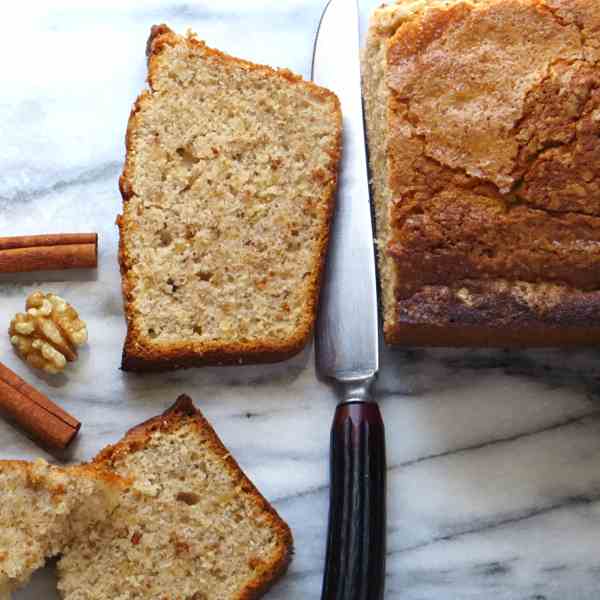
(355, 562)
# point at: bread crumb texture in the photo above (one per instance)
(42, 508)
(228, 192)
(191, 527)
(484, 121)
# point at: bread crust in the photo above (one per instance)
(495, 313)
(462, 130)
(141, 356)
(183, 408)
(90, 471)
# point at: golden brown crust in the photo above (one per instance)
(447, 239)
(101, 474)
(484, 336)
(493, 313)
(493, 150)
(141, 356)
(13, 464)
(180, 412)
(90, 471)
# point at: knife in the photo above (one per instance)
(346, 335)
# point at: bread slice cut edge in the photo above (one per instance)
(136, 439)
(138, 355)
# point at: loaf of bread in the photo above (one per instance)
(483, 121)
(42, 508)
(228, 190)
(192, 526)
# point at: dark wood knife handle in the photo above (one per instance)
(355, 562)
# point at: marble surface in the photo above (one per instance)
(494, 456)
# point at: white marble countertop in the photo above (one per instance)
(494, 456)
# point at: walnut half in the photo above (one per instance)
(48, 334)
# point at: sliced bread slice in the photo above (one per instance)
(192, 526)
(42, 507)
(228, 190)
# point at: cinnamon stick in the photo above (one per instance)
(34, 412)
(21, 254)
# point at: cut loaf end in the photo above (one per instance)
(191, 508)
(228, 191)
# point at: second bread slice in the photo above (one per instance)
(227, 198)
(192, 526)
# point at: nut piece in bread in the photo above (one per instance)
(191, 526)
(228, 190)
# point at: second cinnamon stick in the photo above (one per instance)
(34, 412)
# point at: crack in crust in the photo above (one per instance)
(557, 162)
(450, 225)
(572, 123)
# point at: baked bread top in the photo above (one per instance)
(191, 525)
(227, 197)
(487, 172)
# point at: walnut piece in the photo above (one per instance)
(48, 334)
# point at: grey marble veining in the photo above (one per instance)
(494, 456)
